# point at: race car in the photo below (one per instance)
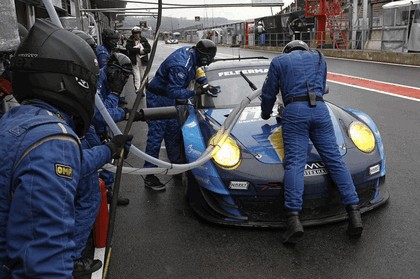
(243, 182)
(171, 41)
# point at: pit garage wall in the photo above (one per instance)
(9, 39)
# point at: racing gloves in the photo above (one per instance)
(207, 89)
(137, 117)
(117, 142)
(117, 79)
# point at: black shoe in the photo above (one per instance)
(153, 183)
(85, 266)
(294, 228)
(121, 201)
(355, 227)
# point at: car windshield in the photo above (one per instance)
(233, 87)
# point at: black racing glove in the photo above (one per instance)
(202, 89)
(117, 142)
(117, 85)
(212, 90)
(137, 117)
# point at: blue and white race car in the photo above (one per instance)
(243, 183)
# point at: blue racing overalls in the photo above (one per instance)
(102, 54)
(88, 196)
(40, 170)
(294, 74)
(117, 114)
(170, 83)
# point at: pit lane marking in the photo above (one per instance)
(397, 90)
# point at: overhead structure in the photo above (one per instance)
(329, 16)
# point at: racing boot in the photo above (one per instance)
(152, 182)
(121, 200)
(85, 266)
(355, 226)
(294, 228)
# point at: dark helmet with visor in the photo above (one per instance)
(88, 38)
(206, 50)
(58, 67)
(295, 45)
(110, 38)
(119, 68)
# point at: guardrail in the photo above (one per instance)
(360, 48)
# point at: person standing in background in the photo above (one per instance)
(138, 48)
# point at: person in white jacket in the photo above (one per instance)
(138, 49)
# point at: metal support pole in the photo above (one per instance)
(365, 23)
(354, 21)
(52, 12)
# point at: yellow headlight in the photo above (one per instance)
(362, 137)
(229, 155)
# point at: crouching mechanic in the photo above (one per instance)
(88, 196)
(170, 83)
(112, 79)
(54, 80)
(300, 74)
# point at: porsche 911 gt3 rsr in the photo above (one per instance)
(243, 183)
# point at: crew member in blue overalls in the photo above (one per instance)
(88, 196)
(54, 80)
(112, 79)
(110, 40)
(300, 74)
(170, 83)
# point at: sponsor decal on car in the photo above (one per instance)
(313, 169)
(239, 185)
(238, 72)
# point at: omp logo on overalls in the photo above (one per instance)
(313, 169)
(64, 171)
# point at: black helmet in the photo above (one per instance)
(121, 61)
(55, 65)
(206, 50)
(119, 68)
(110, 38)
(295, 45)
(136, 30)
(88, 38)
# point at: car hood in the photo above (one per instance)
(263, 138)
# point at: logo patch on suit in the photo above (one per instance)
(64, 171)
(181, 75)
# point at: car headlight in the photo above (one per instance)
(229, 155)
(362, 137)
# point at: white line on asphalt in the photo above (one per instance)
(377, 91)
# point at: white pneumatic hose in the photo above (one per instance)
(169, 168)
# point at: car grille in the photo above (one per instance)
(270, 209)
